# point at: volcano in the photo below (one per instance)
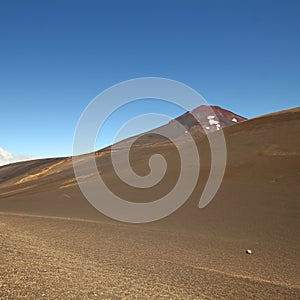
(198, 122)
(211, 117)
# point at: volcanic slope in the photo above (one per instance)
(50, 234)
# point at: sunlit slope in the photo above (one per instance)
(270, 141)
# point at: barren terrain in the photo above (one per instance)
(55, 245)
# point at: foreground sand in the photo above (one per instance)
(60, 258)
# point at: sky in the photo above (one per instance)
(56, 56)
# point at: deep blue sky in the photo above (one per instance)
(56, 56)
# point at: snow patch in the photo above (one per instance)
(213, 122)
(234, 120)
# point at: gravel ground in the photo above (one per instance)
(61, 258)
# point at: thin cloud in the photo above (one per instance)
(7, 157)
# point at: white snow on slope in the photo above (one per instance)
(211, 120)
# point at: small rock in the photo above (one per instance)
(248, 251)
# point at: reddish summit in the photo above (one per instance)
(200, 121)
(211, 118)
